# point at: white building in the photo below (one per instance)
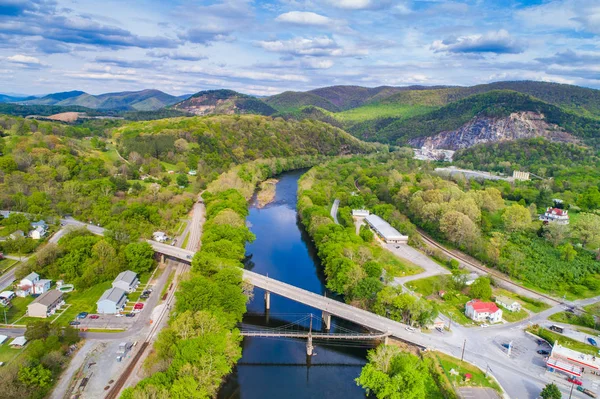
(37, 233)
(26, 285)
(42, 286)
(3, 339)
(112, 301)
(18, 342)
(555, 215)
(571, 362)
(508, 304)
(480, 311)
(7, 295)
(159, 236)
(360, 213)
(127, 281)
(383, 229)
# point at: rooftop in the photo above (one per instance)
(48, 297)
(505, 299)
(19, 341)
(480, 306)
(127, 276)
(32, 276)
(112, 294)
(559, 351)
(383, 227)
(556, 211)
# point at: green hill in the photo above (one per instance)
(211, 102)
(290, 101)
(494, 104)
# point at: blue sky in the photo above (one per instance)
(266, 47)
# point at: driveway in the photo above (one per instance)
(407, 252)
(478, 393)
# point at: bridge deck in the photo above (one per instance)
(293, 334)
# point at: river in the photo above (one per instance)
(278, 368)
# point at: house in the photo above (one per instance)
(41, 224)
(5, 214)
(18, 342)
(46, 304)
(26, 286)
(360, 213)
(42, 286)
(37, 233)
(112, 301)
(159, 236)
(555, 215)
(508, 304)
(7, 295)
(16, 234)
(477, 310)
(127, 281)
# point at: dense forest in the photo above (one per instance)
(497, 223)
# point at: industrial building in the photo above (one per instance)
(383, 229)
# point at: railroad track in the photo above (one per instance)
(494, 273)
(120, 383)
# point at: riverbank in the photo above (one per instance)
(266, 193)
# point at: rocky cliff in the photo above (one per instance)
(223, 102)
(518, 125)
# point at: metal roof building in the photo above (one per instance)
(112, 301)
(384, 230)
(126, 281)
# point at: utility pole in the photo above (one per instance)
(462, 356)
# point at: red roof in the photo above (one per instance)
(482, 307)
(557, 211)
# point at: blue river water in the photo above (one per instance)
(277, 367)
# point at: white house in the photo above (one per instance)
(508, 304)
(37, 233)
(112, 301)
(555, 215)
(26, 285)
(7, 295)
(43, 285)
(159, 236)
(480, 311)
(127, 281)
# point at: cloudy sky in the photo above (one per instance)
(266, 47)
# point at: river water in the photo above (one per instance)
(276, 367)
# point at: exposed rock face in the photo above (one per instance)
(204, 105)
(518, 125)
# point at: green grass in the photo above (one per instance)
(425, 286)
(185, 240)
(6, 264)
(593, 309)
(570, 318)
(18, 309)
(7, 353)
(511, 317)
(393, 265)
(144, 278)
(478, 377)
(376, 111)
(533, 305)
(567, 342)
(168, 283)
(82, 301)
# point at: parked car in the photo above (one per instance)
(586, 391)
(188, 256)
(119, 358)
(94, 317)
(592, 341)
(411, 329)
(119, 314)
(82, 315)
(440, 329)
(130, 315)
(484, 325)
(574, 381)
(138, 305)
(74, 323)
(543, 352)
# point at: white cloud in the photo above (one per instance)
(323, 46)
(352, 4)
(24, 59)
(500, 42)
(304, 18)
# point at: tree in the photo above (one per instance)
(551, 391)
(481, 289)
(587, 230)
(35, 376)
(459, 228)
(37, 330)
(139, 256)
(516, 218)
(555, 233)
(366, 234)
(182, 181)
(567, 252)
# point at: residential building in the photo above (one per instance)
(508, 304)
(383, 229)
(480, 311)
(43, 285)
(159, 236)
(112, 301)
(46, 304)
(16, 234)
(360, 213)
(26, 285)
(7, 295)
(127, 281)
(18, 342)
(37, 233)
(555, 215)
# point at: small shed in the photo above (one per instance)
(18, 342)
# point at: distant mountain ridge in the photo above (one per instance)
(144, 100)
(6, 98)
(210, 102)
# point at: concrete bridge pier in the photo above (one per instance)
(267, 300)
(326, 320)
(309, 346)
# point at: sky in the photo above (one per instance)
(267, 47)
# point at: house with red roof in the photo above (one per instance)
(480, 311)
(555, 215)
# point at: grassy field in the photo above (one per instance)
(511, 317)
(82, 301)
(530, 304)
(376, 111)
(393, 265)
(478, 377)
(570, 318)
(7, 353)
(167, 284)
(185, 240)
(593, 309)
(6, 264)
(18, 309)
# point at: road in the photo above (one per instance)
(195, 227)
(334, 210)
(404, 251)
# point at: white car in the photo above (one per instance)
(411, 329)
(484, 325)
(119, 314)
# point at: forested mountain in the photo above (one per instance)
(145, 100)
(290, 101)
(223, 102)
(5, 98)
(477, 114)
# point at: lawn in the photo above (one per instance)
(6, 264)
(18, 309)
(7, 353)
(530, 304)
(393, 265)
(168, 283)
(593, 309)
(567, 342)
(425, 286)
(82, 301)
(511, 317)
(185, 240)
(572, 319)
(478, 377)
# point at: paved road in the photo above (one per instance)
(195, 228)
(334, 210)
(407, 252)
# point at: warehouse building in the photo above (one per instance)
(383, 229)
